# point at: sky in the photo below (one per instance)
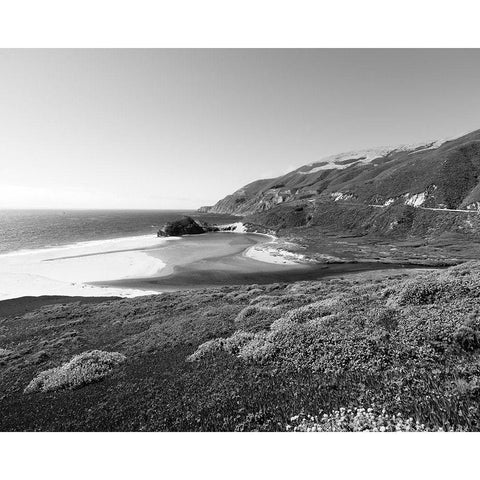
(167, 129)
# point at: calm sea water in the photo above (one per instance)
(33, 229)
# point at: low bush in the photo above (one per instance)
(231, 345)
(208, 348)
(88, 367)
(243, 296)
(290, 299)
(387, 318)
(258, 348)
(313, 311)
(255, 318)
(467, 338)
(436, 288)
(422, 291)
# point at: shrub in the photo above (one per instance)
(234, 344)
(387, 319)
(421, 291)
(245, 345)
(463, 269)
(259, 348)
(355, 420)
(304, 314)
(291, 300)
(466, 388)
(208, 348)
(255, 318)
(88, 367)
(451, 284)
(243, 295)
(467, 338)
(230, 345)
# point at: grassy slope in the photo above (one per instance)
(409, 345)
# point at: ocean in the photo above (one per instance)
(37, 229)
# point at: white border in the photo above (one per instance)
(246, 23)
(238, 23)
(237, 456)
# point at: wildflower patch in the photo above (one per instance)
(355, 420)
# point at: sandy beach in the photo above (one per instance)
(97, 268)
(211, 259)
(67, 270)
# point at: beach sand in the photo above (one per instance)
(224, 250)
(67, 270)
(97, 268)
(208, 259)
(218, 259)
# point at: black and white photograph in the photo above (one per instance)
(223, 239)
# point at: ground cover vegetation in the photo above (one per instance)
(396, 352)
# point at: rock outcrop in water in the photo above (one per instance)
(189, 226)
(184, 226)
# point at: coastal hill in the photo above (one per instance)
(254, 357)
(442, 174)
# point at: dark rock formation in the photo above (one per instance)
(183, 226)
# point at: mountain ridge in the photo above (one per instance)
(440, 174)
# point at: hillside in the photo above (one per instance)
(442, 174)
(258, 357)
(348, 232)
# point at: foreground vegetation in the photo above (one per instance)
(396, 352)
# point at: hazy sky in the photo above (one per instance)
(183, 128)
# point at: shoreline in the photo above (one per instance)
(268, 252)
(358, 271)
(197, 279)
(146, 265)
(91, 268)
